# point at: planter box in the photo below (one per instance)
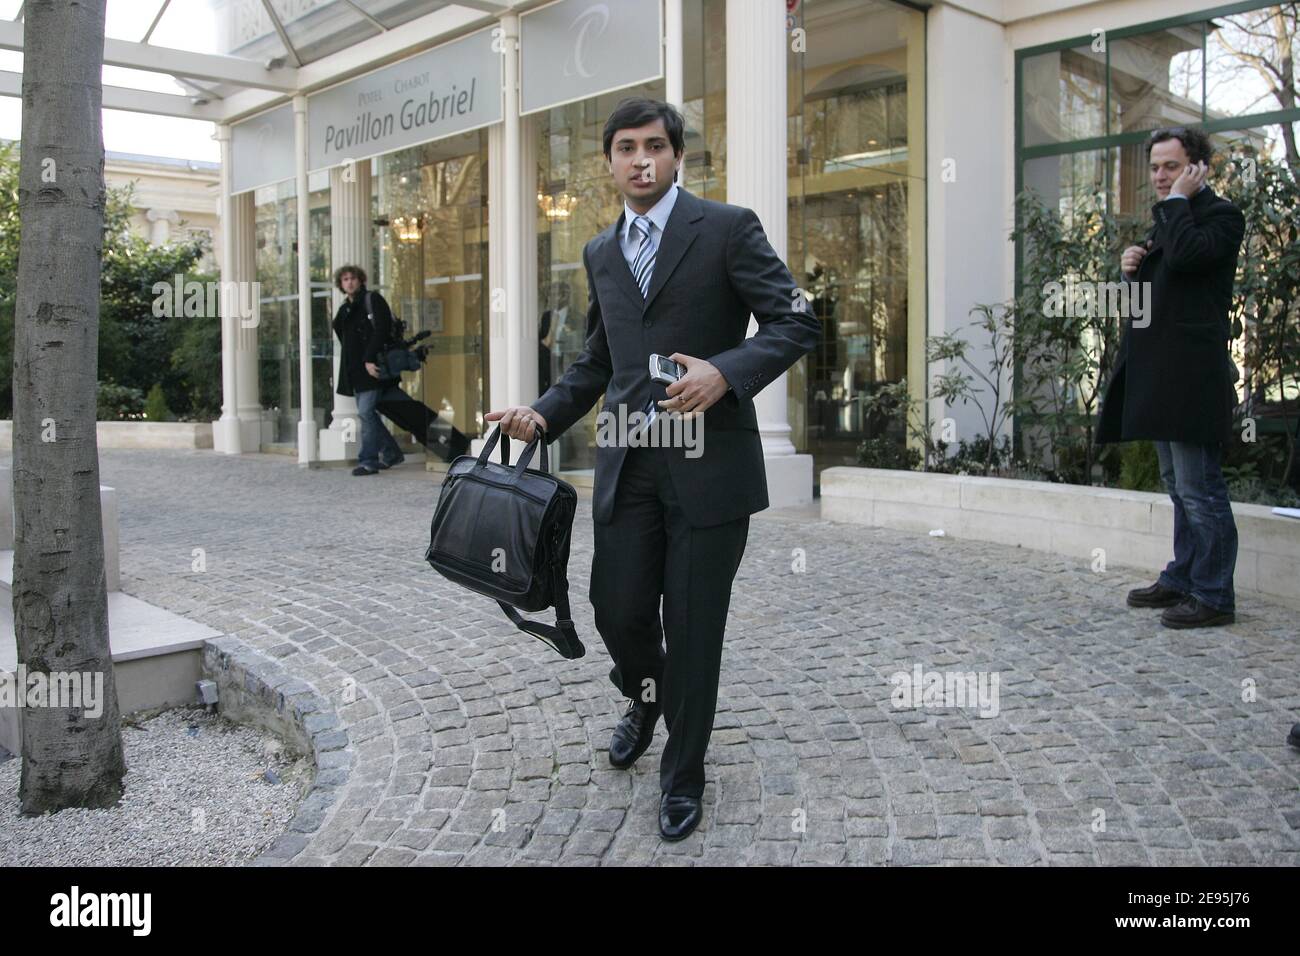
(137, 435)
(1133, 528)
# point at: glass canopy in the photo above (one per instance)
(271, 33)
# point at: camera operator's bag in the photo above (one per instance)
(396, 358)
(437, 435)
(504, 532)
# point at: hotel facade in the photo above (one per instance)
(454, 151)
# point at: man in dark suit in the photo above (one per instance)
(679, 276)
(1172, 383)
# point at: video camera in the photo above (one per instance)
(400, 341)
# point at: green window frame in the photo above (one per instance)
(1025, 153)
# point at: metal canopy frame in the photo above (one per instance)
(260, 85)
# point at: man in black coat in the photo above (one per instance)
(363, 337)
(1172, 383)
(679, 276)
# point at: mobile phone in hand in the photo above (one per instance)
(665, 370)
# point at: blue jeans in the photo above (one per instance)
(376, 439)
(1205, 535)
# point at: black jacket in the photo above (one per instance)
(713, 268)
(361, 341)
(1172, 380)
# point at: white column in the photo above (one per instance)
(512, 243)
(970, 142)
(351, 234)
(243, 233)
(225, 431)
(161, 221)
(674, 85)
(307, 419)
(513, 272)
(526, 346)
(756, 177)
(496, 337)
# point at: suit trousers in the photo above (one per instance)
(647, 551)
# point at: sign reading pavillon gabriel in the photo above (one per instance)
(450, 89)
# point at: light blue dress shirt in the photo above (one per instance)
(630, 239)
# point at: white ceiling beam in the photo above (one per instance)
(156, 59)
(245, 103)
(201, 66)
(135, 101)
(198, 88)
(485, 6)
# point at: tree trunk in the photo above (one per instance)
(70, 757)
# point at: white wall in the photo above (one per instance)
(970, 217)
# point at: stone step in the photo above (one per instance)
(156, 654)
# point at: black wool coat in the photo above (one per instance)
(362, 342)
(1172, 380)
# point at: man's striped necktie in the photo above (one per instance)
(644, 264)
(643, 267)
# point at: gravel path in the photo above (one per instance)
(199, 791)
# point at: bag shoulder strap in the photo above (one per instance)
(394, 337)
(562, 637)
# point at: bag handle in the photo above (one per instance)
(504, 439)
(486, 453)
(526, 455)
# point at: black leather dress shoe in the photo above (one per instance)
(1155, 596)
(361, 471)
(1293, 738)
(678, 816)
(633, 734)
(1192, 613)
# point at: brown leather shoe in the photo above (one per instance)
(1155, 596)
(633, 734)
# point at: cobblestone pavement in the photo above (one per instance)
(1116, 741)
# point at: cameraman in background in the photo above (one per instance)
(364, 331)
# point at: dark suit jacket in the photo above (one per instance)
(1172, 381)
(361, 340)
(713, 268)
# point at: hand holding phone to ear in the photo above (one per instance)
(1190, 180)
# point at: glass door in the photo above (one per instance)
(856, 215)
(433, 262)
